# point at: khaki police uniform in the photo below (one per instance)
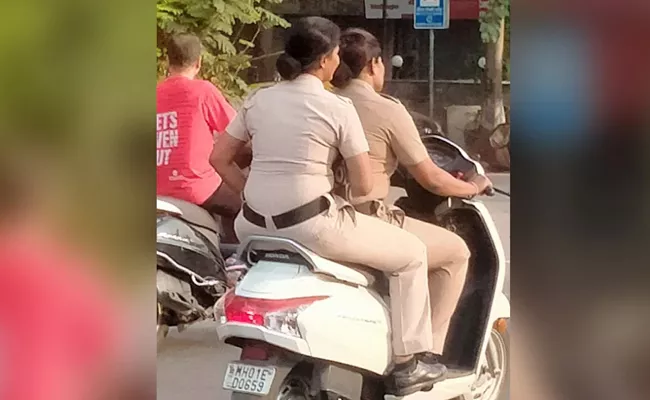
(297, 129)
(393, 138)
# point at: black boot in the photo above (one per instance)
(414, 376)
(429, 358)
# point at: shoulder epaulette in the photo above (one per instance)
(391, 98)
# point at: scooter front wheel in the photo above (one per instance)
(496, 371)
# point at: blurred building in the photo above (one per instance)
(457, 49)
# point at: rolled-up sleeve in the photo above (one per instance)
(237, 127)
(352, 139)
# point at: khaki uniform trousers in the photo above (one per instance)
(447, 258)
(345, 235)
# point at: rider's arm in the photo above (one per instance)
(244, 156)
(359, 174)
(353, 146)
(226, 149)
(439, 181)
(411, 153)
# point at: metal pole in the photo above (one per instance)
(384, 21)
(431, 70)
(384, 17)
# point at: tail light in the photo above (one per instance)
(276, 315)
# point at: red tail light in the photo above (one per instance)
(253, 311)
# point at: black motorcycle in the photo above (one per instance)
(192, 272)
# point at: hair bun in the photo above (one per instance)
(288, 67)
(342, 76)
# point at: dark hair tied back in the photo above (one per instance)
(358, 49)
(307, 41)
(288, 67)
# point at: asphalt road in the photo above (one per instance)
(191, 364)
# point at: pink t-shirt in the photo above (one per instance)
(189, 112)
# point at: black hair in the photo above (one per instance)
(183, 50)
(358, 48)
(307, 41)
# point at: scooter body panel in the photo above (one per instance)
(350, 327)
(500, 307)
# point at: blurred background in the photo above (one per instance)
(77, 176)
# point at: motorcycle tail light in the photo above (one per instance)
(276, 315)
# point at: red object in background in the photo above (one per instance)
(622, 69)
(58, 329)
(617, 33)
(463, 9)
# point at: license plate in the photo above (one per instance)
(250, 379)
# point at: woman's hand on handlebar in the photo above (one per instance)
(484, 185)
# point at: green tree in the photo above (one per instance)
(493, 32)
(228, 30)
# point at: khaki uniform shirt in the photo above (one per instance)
(391, 133)
(297, 130)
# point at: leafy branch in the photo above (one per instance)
(228, 30)
(491, 18)
(490, 28)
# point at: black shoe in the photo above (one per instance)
(415, 376)
(429, 358)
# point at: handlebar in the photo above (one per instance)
(490, 191)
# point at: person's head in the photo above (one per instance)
(311, 46)
(360, 54)
(184, 54)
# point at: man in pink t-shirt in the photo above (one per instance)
(191, 113)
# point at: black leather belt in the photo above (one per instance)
(291, 217)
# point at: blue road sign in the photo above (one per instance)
(431, 14)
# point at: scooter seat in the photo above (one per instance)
(367, 272)
(376, 278)
(192, 213)
(347, 272)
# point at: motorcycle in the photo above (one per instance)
(311, 328)
(192, 273)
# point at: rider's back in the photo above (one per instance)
(391, 134)
(188, 111)
(295, 128)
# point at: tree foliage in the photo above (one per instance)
(228, 30)
(490, 24)
(490, 19)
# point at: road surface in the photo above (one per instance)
(191, 364)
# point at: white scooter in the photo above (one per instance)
(313, 329)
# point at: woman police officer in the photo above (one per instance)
(297, 130)
(393, 138)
